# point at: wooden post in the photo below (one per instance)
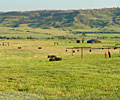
(82, 41)
(3, 44)
(82, 52)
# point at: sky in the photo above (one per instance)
(27, 5)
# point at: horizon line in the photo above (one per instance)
(58, 9)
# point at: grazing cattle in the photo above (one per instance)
(39, 47)
(77, 50)
(55, 59)
(90, 50)
(77, 41)
(73, 51)
(115, 48)
(51, 56)
(19, 48)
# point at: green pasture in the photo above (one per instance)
(24, 32)
(27, 73)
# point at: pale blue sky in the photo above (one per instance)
(21, 5)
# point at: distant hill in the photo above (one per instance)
(103, 19)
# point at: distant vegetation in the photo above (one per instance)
(106, 20)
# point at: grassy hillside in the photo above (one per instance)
(92, 20)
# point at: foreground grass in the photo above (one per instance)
(93, 77)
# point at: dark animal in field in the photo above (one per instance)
(55, 59)
(77, 41)
(51, 56)
(90, 50)
(73, 51)
(39, 47)
(19, 48)
(115, 48)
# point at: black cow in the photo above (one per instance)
(55, 59)
(51, 56)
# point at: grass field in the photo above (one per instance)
(27, 73)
